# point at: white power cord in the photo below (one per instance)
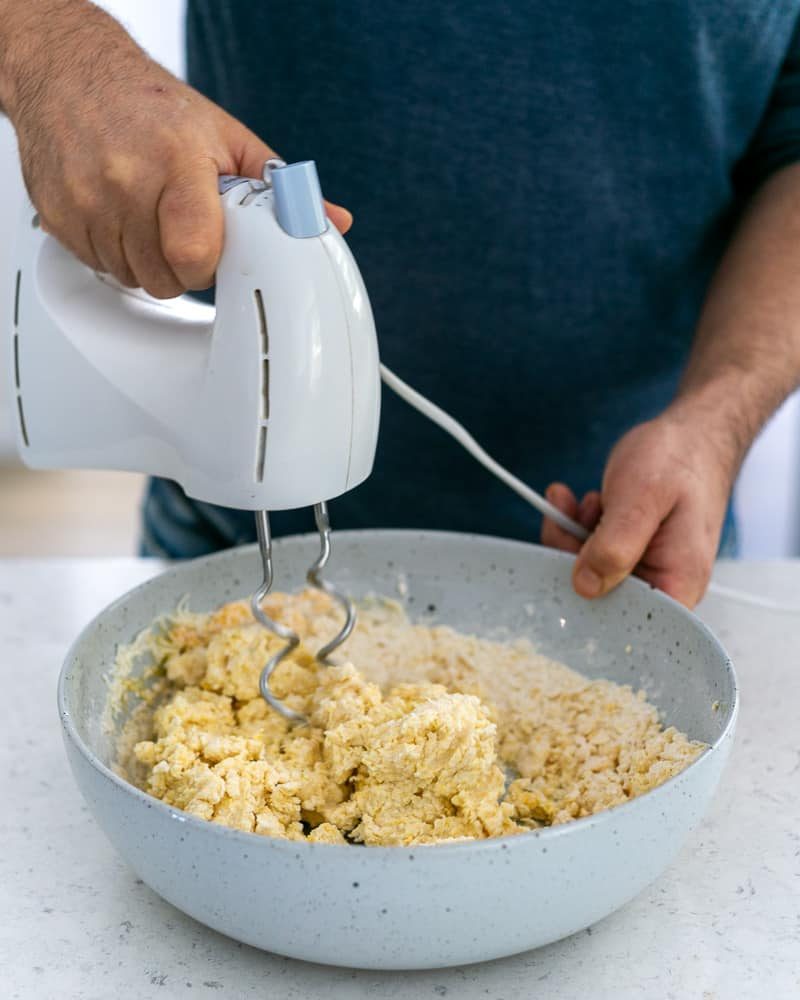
(457, 431)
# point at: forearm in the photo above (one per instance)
(42, 40)
(745, 359)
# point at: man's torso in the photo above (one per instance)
(541, 192)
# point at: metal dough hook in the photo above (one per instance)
(291, 637)
(314, 578)
(282, 631)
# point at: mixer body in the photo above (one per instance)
(268, 401)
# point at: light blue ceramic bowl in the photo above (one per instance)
(423, 907)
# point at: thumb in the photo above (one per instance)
(339, 216)
(251, 156)
(632, 514)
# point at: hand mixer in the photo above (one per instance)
(268, 401)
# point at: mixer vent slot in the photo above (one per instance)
(16, 298)
(22, 426)
(21, 414)
(264, 345)
(265, 388)
(262, 453)
(262, 321)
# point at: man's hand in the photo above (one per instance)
(120, 158)
(659, 514)
(667, 482)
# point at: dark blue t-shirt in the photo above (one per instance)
(541, 193)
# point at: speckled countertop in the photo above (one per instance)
(75, 922)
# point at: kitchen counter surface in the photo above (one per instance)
(722, 922)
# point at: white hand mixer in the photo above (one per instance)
(268, 401)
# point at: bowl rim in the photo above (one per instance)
(547, 834)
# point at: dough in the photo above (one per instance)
(409, 738)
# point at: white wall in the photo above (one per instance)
(157, 25)
(767, 498)
(768, 493)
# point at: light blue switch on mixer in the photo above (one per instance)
(298, 199)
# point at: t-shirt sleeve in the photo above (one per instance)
(776, 143)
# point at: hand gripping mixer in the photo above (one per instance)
(268, 401)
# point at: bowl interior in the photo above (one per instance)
(486, 586)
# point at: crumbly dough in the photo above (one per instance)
(411, 739)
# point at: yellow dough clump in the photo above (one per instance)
(410, 743)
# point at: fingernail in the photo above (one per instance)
(587, 582)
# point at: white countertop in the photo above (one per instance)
(75, 922)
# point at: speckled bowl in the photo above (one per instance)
(423, 907)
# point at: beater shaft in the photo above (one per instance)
(282, 631)
(291, 637)
(314, 578)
